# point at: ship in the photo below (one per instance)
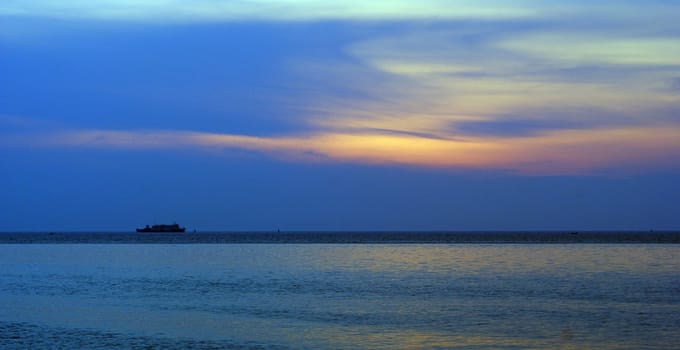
(162, 228)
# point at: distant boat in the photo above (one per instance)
(162, 228)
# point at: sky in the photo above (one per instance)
(339, 115)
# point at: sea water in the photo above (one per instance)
(340, 296)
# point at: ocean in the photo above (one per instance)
(367, 291)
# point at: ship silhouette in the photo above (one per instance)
(162, 228)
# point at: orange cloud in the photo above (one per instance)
(554, 152)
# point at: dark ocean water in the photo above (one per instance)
(348, 237)
(337, 296)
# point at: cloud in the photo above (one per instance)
(520, 98)
(453, 86)
(675, 84)
(173, 11)
(239, 10)
(582, 49)
(554, 152)
(537, 94)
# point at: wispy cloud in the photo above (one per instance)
(226, 10)
(297, 10)
(574, 87)
(555, 152)
(567, 48)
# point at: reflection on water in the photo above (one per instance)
(510, 258)
(342, 296)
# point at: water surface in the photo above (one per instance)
(332, 296)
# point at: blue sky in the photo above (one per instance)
(256, 115)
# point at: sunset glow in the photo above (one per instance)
(521, 89)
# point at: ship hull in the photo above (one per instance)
(143, 230)
(174, 228)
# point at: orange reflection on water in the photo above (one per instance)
(464, 259)
(415, 339)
